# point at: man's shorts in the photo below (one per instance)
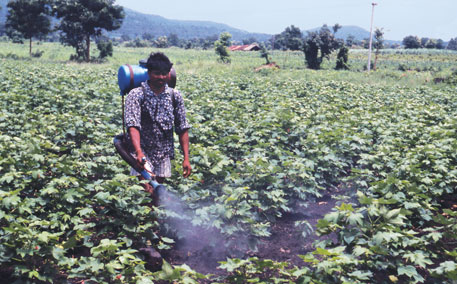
(161, 168)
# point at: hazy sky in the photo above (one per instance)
(398, 18)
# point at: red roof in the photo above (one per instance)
(246, 47)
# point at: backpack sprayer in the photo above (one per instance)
(129, 77)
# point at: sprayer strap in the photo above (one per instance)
(130, 87)
(123, 119)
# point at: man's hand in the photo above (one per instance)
(135, 136)
(184, 142)
(141, 159)
(186, 168)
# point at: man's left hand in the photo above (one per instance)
(187, 169)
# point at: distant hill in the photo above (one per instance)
(136, 23)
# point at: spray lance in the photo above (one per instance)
(129, 77)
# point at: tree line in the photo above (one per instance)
(80, 21)
(410, 42)
(83, 21)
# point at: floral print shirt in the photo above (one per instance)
(154, 115)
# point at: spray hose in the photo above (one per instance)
(121, 147)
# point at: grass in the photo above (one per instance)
(410, 68)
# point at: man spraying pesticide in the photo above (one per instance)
(153, 110)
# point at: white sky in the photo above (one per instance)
(398, 18)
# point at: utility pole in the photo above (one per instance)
(371, 36)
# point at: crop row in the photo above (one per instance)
(259, 146)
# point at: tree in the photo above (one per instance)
(336, 27)
(319, 45)
(249, 40)
(28, 19)
(83, 19)
(125, 37)
(291, 38)
(161, 42)
(452, 45)
(350, 41)
(439, 44)
(264, 53)
(378, 44)
(342, 58)
(105, 47)
(411, 42)
(147, 36)
(424, 41)
(221, 45)
(173, 40)
(431, 43)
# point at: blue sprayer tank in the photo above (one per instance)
(131, 76)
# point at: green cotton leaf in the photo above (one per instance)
(361, 275)
(37, 174)
(167, 240)
(232, 264)
(58, 253)
(33, 274)
(447, 266)
(38, 158)
(102, 196)
(418, 258)
(95, 265)
(11, 201)
(358, 251)
(435, 236)
(113, 266)
(105, 246)
(86, 212)
(43, 237)
(410, 271)
(392, 213)
(144, 280)
(381, 237)
(427, 181)
(346, 207)
(71, 243)
(168, 273)
(7, 178)
(364, 200)
(321, 251)
(355, 219)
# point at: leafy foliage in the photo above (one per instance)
(452, 45)
(261, 145)
(291, 38)
(319, 45)
(342, 58)
(221, 45)
(81, 20)
(29, 18)
(411, 42)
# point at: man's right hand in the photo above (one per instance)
(141, 159)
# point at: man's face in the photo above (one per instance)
(157, 78)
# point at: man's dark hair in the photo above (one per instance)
(159, 62)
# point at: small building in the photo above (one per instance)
(246, 47)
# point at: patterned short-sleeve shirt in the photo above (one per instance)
(155, 116)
